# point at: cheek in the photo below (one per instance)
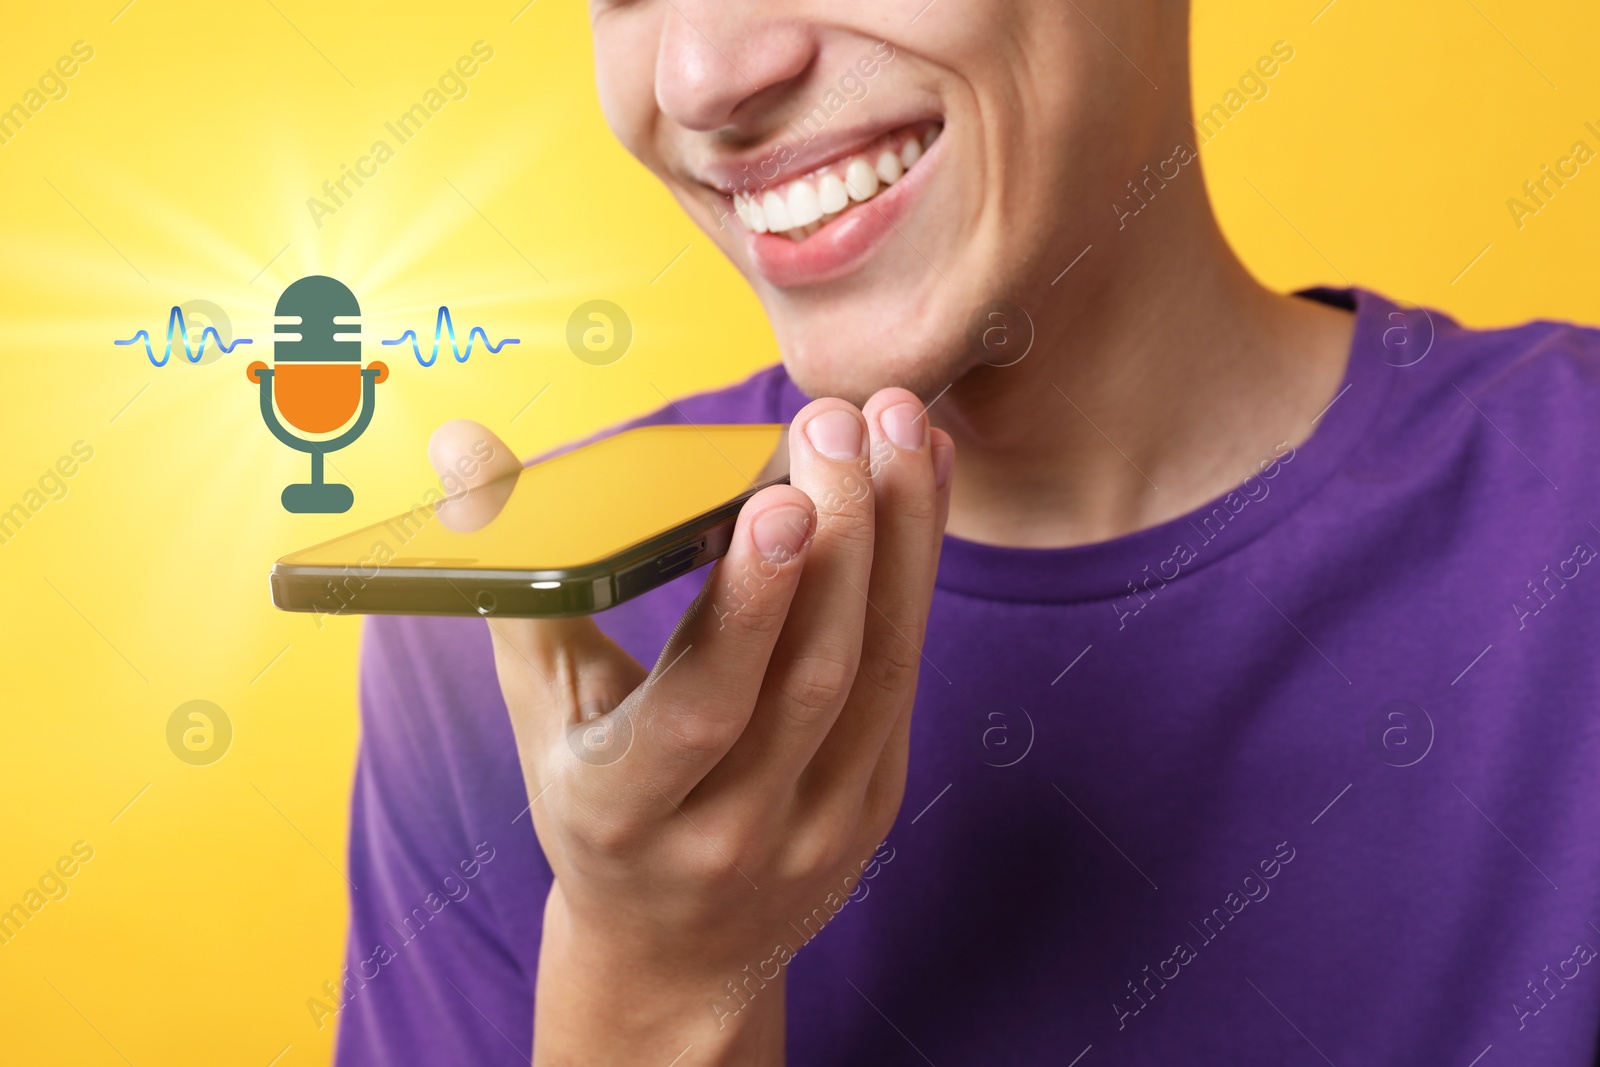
(625, 48)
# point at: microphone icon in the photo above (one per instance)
(320, 384)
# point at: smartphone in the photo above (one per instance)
(571, 535)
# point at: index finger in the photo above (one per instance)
(698, 699)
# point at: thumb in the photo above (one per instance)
(556, 674)
(474, 466)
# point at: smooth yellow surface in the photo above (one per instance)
(178, 166)
(578, 508)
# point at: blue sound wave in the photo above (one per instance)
(175, 324)
(442, 325)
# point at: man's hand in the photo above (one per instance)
(694, 811)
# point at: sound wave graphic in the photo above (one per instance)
(443, 325)
(175, 324)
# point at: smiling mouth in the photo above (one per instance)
(800, 207)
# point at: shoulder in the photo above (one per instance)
(1519, 403)
(1436, 356)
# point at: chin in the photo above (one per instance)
(851, 352)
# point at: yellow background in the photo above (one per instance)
(177, 168)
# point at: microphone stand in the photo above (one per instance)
(318, 496)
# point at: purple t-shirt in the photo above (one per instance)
(1312, 773)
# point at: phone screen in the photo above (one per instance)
(574, 509)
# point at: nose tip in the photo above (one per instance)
(715, 59)
(695, 94)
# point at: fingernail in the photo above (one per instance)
(836, 434)
(905, 425)
(779, 534)
(944, 460)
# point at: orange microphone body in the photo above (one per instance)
(317, 384)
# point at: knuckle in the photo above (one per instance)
(895, 660)
(609, 833)
(751, 600)
(804, 704)
(695, 737)
(815, 854)
(751, 605)
(723, 865)
(815, 684)
(845, 498)
(850, 524)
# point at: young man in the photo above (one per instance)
(1253, 687)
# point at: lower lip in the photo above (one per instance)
(845, 243)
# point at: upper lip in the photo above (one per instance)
(758, 167)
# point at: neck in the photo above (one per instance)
(1161, 375)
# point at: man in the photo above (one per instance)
(1249, 636)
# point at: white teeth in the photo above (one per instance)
(861, 180)
(750, 214)
(889, 168)
(776, 212)
(803, 206)
(832, 195)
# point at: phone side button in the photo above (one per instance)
(653, 572)
(680, 558)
